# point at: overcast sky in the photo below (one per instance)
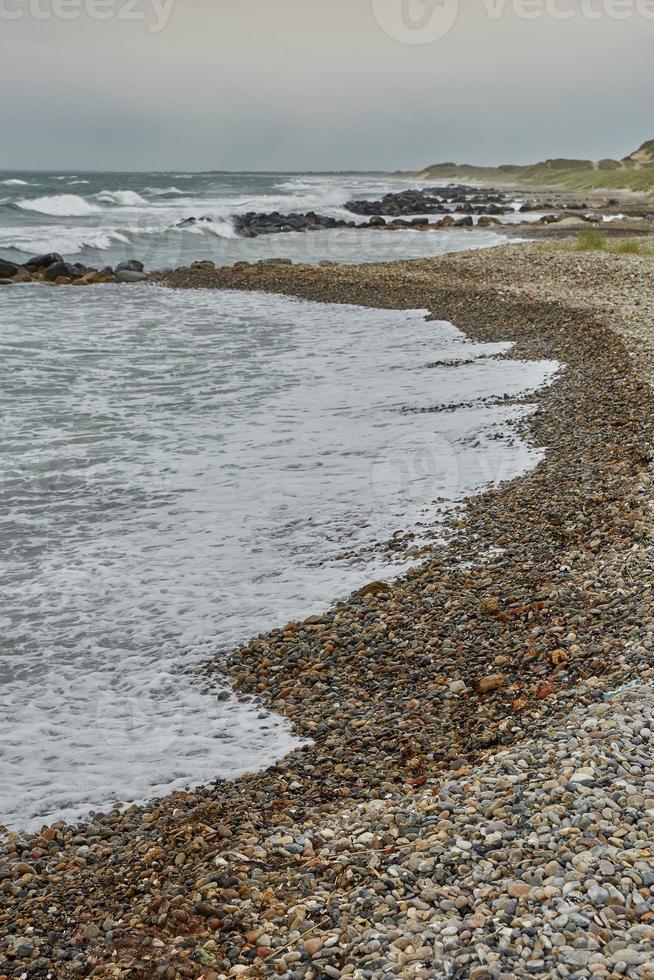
(321, 84)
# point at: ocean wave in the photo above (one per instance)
(59, 205)
(221, 228)
(300, 197)
(163, 191)
(126, 199)
(67, 241)
(297, 184)
(14, 182)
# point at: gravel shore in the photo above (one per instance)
(471, 806)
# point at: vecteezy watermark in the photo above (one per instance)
(416, 21)
(152, 13)
(401, 474)
(427, 21)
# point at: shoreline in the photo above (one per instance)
(369, 680)
(543, 214)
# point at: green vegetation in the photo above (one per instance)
(542, 176)
(591, 240)
(595, 240)
(635, 172)
(631, 246)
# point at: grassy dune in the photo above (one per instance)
(635, 173)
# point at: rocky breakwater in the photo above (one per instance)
(406, 209)
(53, 270)
(254, 223)
(434, 200)
(611, 203)
(422, 209)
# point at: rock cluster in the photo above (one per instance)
(411, 209)
(434, 200)
(450, 201)
(52, 269)
(252, 224)
(549, 206)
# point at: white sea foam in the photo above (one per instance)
(188, 472)
(68, 241)
(300, 195)
(126, 199)
(221, 228)
(15, 182)
(163, 191)
(59, 205)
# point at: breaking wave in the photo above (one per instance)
(126, 199)
(163, 191)
(59, 205)
(68, 241)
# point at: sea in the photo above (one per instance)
(100, 219)
(180, 470)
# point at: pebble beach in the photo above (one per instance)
(476, 798)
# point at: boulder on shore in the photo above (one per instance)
(570, 222)
(59, 270)
(131, 265)
(7, 269)
(130, 275)
(53, 270)
(42, 261)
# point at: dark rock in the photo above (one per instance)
(43, 261)
(131, 265)
(433, 200)
(7, 269)
(185, 222)
(57, 269)
(130, 275)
